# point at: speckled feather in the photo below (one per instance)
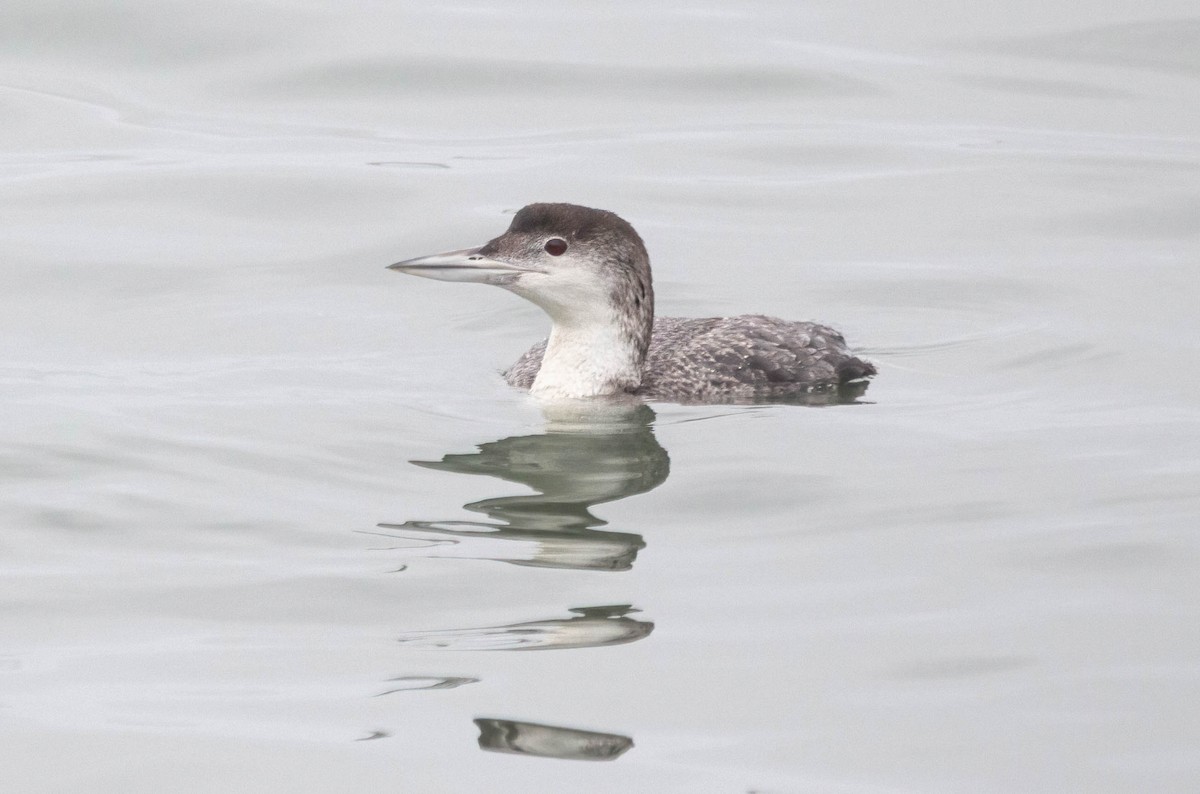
(729, 358)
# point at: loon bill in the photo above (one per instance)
(589, 270)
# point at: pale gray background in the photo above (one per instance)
(984, 580)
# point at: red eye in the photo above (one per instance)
(556, 246)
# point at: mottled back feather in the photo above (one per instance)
(731, 358)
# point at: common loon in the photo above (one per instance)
(588, 269)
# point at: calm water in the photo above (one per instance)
(272, 522)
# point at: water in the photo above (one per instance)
(272, 522)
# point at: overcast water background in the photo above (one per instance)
(982, 578)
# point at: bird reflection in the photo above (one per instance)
(589, 627)
(549, 741)
(590, 453)
(585, 458)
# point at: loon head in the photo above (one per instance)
(587, 268)
(575, 262)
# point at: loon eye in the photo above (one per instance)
(556, 246)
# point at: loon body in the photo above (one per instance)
(588, 269)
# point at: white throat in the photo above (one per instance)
(586, 360)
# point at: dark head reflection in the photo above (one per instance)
(591, 456)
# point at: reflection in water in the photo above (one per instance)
(595, 550)
(575, 465)
(414, 683)
(374, 735)
(590, 453)
(591, 627)
(549, 741)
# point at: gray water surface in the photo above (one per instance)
(271, 521)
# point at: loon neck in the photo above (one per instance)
(589, 360)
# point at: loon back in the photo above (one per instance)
(721, 359)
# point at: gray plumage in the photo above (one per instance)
(721, 359)
(589, 270)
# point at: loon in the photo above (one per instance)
(588, 269)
